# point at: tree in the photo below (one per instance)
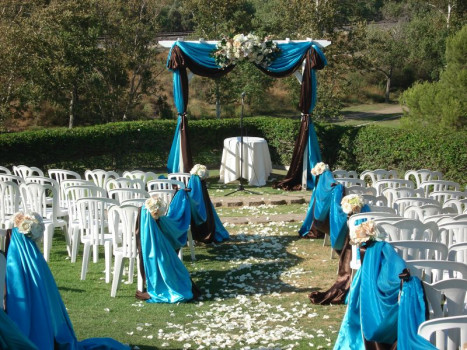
(385, 50)
(442, 103)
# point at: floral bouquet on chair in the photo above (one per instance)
(30, 224)
(352, 204)
(156, 206)
(319, 168)
(201, 171)
(364, 232)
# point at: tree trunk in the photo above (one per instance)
(388, 86)
(73, 101)
(218, 101)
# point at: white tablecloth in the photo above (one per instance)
(256, 163)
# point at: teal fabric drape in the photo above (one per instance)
(34, 303)
(173, 163)
(320, 202)
(167, 279)
(373, 311)
(10, 335)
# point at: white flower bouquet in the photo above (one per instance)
(352, 204)
(245, 47)
(364, 232)
(201, 171)
(30, 224)
(319, 168)
(156, 206)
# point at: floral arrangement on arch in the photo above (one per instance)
(352, 204)
(364, 232)
(201, 171)
(29, 224)
(319, 168)
(156, 206)
(245, 48)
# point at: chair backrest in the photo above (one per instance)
(432, 271)
(140, 175)
(408, 229)
(349, 181)
(100, 177)
(360, 190)
(93, 219)
(458, 252)
(391, 183)
(446, 297)
(443, 196)
(61, 174)
(124, 182)
(439, 186)
(73, 193)
(422, 175)
(382, 209)
(163, 184)
(360, 217)
(137, 202)
(166, 195)
(122, 223)
(401, 192)
(402, 203)
(422, 212)
(459, 206)
(123, 194)
(420, 250)
(453, 232)
(373, 200)
(24, 171)
(451, 332)
(43, 180)
(339, 173)
(16, 179)
(9, 201)
(377, 175)
(182, 177)
(35, 198)
(5, 170)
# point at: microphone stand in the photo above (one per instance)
(240, 185)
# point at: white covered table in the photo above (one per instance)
(256, 163)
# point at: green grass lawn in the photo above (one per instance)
(254, 296)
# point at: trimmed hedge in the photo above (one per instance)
(145, 145)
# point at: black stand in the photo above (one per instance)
(240, 186)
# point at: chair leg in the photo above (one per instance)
(48, 236)
(74, 243)
(131, 269)
(140, 278)
(192, 245)
(118, 271)
(108, 260)
(180, 254)
(95, 253)
(84, 266)
(67, 239)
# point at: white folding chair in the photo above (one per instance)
(454, 231)
(402, 203)
(137, 202)
(182, 177)
(145, 176)
(408, 229)
(163, 184)
(339, 173)
(458, 206)
(380, 185)
(401, 192)
(14, 178)
(166, 194)
(349, 181)
(447, 325)
(422, 212)
(92, 214)
(61, 175)
(34, 197)
(374, 200)
(100, 177)
(360, 190)
(122, 222)
(438, 186)
(378, 175)
(443, 196)
(5, 170)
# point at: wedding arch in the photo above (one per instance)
(299, 57)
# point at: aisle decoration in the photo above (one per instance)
(201, 171)
(159, 237)
(319, 168)
(375, 314)
(249, 47)
(352, 204)
(33, 301)
(206, 225)
(363, 233)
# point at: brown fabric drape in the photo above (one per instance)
(293, 179)
(337, 293)
(205, 232)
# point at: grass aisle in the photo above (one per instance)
(254, 296)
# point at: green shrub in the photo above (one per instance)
(146, 144)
